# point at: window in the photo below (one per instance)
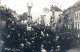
(28, 25)
(70, 26)
(78, 26)
(77, 15)
(75, 25)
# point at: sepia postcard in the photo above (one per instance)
(39, 25)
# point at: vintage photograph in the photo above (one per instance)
(39, 25)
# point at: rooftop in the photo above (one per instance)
(56, 8)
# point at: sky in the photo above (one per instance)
(20, 6)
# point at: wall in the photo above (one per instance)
(47, 20)
(57, 13)
(77, 19)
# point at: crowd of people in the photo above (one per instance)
(17, 38)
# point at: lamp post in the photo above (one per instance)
(29, 5)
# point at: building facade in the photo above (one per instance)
(77, 19)
(71, 16)
(55, 16)
(51, 18)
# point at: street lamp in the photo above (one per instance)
(29, 5)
